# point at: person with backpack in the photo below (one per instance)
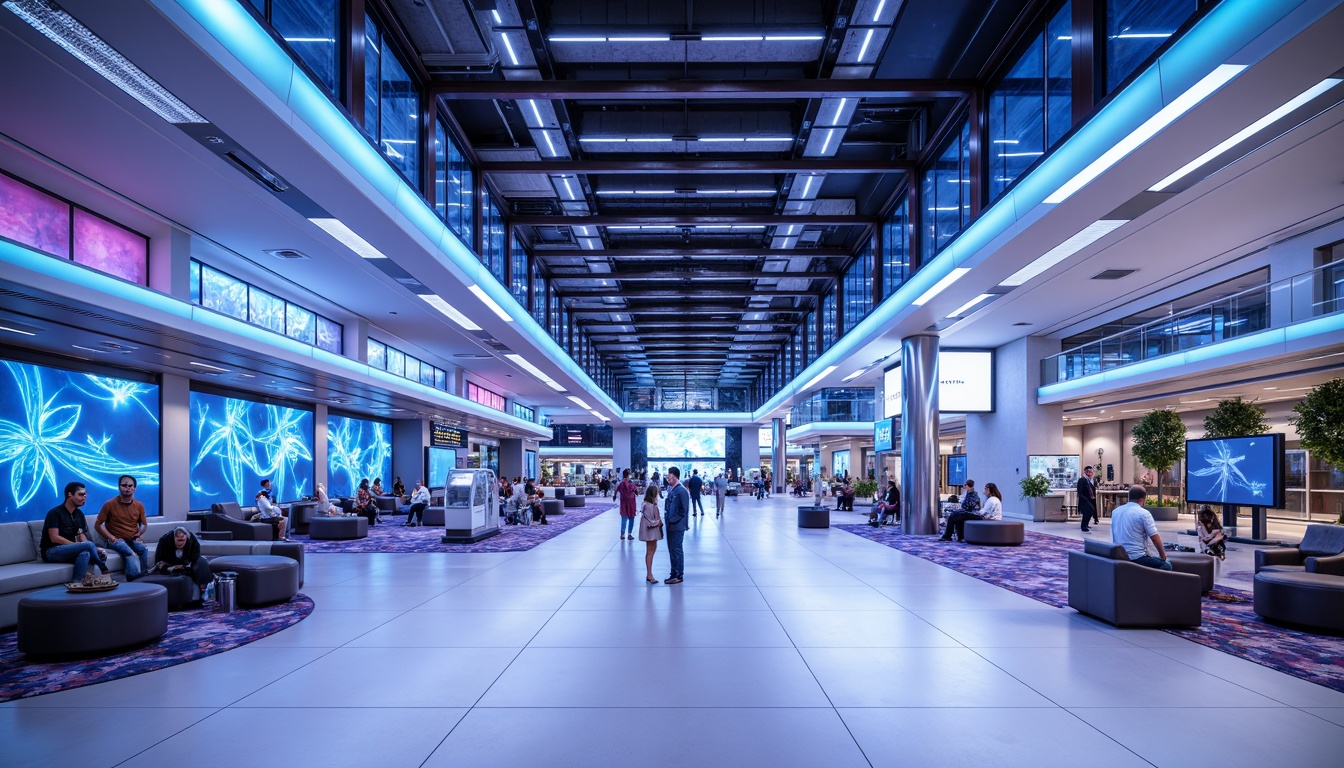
(970, 510)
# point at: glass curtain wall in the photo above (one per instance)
(492, 236)
(310, 28)
(391, 103)
(859, 288)
(895, 249)
(945, 190)
(453, 181)
(518, 276)
(1137, 28)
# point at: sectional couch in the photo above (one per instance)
(22, 570)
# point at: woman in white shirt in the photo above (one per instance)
(993, 509)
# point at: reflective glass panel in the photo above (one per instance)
(223, 293)
(266, 310)
(1137, 28)
(329, 334)
(310, 27)
(377, 355)
(300, 324)
(399, 116)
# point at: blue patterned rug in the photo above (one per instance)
(191, 635)
(1039, 569)
(392, 536)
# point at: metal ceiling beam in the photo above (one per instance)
(650, 277)
(674, 293)
(698, 310)
(739, 167)
(747, 219)
(682, 252)
(645, 90)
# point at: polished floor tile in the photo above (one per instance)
(49, 737)
(862, 629)
(688, 596)
(455, 629)
(1018, 629)
(916, 677)
(662, 629)
(473, 598)
(327, 629)
(1165, 736)
(827, 599)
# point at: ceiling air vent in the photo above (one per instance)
(288, 254)
(1114, 274)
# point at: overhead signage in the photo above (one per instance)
(965, 383)
(883, 432)
(445, 436)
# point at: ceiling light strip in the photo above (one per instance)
(491, 303)
(349, 238)
(1089, 234)
(450, 312)
(940, 286)
(1220, 76)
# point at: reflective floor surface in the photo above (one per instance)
(784, 647)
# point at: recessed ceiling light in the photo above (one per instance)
(208, 367)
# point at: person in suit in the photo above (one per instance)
(675, 511)
(695, 485)
(1087, 498)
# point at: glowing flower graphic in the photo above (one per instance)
(1222, 466)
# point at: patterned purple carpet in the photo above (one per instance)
(191, 635)
(1039, 569)
(392, 536)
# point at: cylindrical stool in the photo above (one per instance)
(226, 596)
(553, 506)
(1009, 533)
(814, 517)
(261, 579)
(56, 622)
(575, 501)
(1200, 565)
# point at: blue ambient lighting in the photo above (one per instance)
(57, 426)
(357, 449)
(236, 443)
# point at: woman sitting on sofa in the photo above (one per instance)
(365, 506)
(179, 552)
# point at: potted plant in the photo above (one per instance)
(865, 489)
(1236, 418)
(1319, 421)
(1159, 442)
(1034, 489)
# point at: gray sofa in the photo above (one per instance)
(22, 570)
(1321, 551)
(1105, 584)
(232, 518)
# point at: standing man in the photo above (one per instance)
(1132, 527)
(674, 514)
(65, 534)
(720, 493)
(695, 485)
(1087, 498)
(122, 522)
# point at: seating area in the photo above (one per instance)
(1003, 533)
(1105, 584)
(1303, 586)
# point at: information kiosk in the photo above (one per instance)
(471, 505)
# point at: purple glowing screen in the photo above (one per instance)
(110, 248)
(34, 218)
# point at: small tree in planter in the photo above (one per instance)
(1033, 488)
(1235, 418)
(1319, 420)
(1159, 442)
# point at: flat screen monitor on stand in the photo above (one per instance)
(1237, 472)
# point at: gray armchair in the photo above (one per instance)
(1321, 551)
(1105, 584)
(230, 517)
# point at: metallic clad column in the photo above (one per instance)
(919, 435)
(777, 456)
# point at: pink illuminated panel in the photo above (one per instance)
(33, 218)
(110, 248)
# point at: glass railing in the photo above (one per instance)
(831, 410)
(1272, 305)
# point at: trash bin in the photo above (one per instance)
(225, 600)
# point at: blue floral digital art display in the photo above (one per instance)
(236, 443)
(1241, 471)
(58, 426)
(356, 449)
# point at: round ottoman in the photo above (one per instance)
(553, 506)
(575, 501)
(324, 527)
(1304, 599)
(55, 622)
(181, 589)
(1191, 562)
(434, 517)
(814, 517)
(1002, 533)
(262, 579)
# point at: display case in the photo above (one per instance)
(470, 505)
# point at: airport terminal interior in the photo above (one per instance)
(803, 252)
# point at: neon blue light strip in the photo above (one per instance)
(248, 42)
(73, 274)
(1228, 28)
(702, 418)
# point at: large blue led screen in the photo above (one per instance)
(356, 449)
(57, 426)
(1241, 471)
(686, 443)
(237, 443)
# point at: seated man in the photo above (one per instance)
(269, 512)
(415, 514)
(538, 509)
(1132, 527)
(122, 522)
(970, 510)
(65, 534)
(178, 552)
(845, 499)
(888, 507)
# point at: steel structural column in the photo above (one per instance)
(777, 457)
(919, 435)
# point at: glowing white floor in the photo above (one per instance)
(783, 647)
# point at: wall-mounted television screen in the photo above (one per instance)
(236, 443)
(357, 449)
(884, 434)
(956, 470)
(965, 383)
(686, 443)
(58, 425)
(1241, 471)
(1062, 471)
(439, 462)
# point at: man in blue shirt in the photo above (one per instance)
(695, 485)
(674, 515)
